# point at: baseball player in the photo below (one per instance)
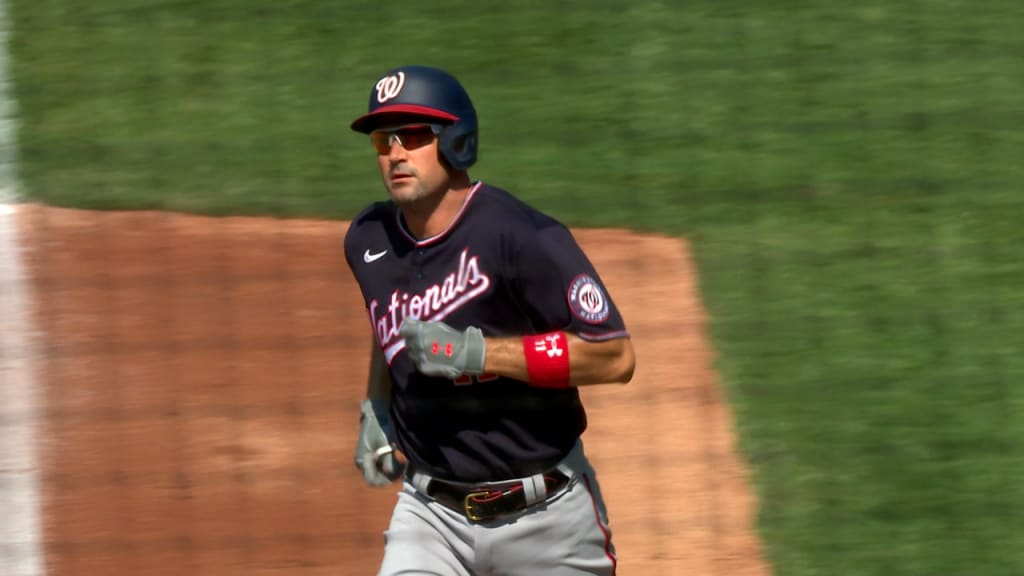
(486, 317)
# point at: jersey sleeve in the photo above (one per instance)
(349, 247)
(559, 287)
(355, 237)
(356, 229)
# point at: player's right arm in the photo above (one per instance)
(378, 386)
(376, 456)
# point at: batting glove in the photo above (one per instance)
(437, 349)
(375, 456)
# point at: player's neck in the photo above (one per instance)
(433, 215)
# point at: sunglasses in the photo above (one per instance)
(410, 137)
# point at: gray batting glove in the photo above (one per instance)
(437, 349)
(375, 456)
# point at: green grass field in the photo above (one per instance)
(850, 177)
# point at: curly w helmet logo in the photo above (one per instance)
(389, 87)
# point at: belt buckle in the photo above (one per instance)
(467, 505)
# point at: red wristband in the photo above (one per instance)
(547, 360)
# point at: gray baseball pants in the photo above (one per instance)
(566, 536)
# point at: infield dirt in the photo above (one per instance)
(200, 381)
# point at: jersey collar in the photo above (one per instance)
(440, 235)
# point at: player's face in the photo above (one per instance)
(409, 162)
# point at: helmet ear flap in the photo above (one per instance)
(466, 149)
(458, 146)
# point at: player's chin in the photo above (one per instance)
(405, 190)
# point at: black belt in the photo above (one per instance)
(485, 502)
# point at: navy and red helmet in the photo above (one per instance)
(433, 95)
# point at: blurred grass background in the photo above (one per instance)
(848, 174)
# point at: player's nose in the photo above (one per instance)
(397, 152)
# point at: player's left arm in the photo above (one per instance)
(551, 360)
(604, 362)
(558, 286)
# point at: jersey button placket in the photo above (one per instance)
(420, 252)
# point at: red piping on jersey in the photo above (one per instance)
(440, 235)
(604, 529)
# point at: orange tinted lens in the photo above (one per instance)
(410, 138)
(380, 142)
(413, 138)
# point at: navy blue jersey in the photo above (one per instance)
(509, 270)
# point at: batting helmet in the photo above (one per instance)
(433, 94)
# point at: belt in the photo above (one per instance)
(493, 500)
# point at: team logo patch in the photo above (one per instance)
(587, 300)
(390, 87)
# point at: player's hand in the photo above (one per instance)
(437, 349)
(375, 456)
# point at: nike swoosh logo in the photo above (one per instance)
(368, 257)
